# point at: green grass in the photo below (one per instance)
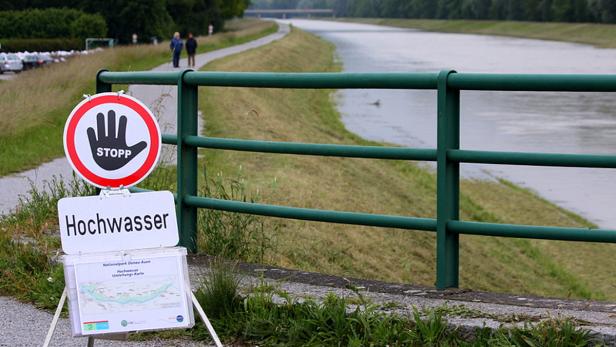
(599, 35)
(401, 188)
(35, 105)
(28, 238)
(391, 187)
(28, 241)
(230, 235)
(267, 316)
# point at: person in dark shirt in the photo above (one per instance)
(191, 48)
(176, 47)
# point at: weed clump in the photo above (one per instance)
(271, 317)
(26, 245)
(230, 235)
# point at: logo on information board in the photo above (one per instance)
(112, 140)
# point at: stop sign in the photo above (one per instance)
(112, 140)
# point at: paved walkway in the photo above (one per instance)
(160, 99)
(25, 326)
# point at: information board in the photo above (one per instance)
(138, 290)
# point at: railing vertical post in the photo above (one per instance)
(186, 163)
(448, 179)
(102, 87)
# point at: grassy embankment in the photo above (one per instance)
(600, 35)
(35, 105)
(498, 264)
(511, 265)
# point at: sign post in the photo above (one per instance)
(122, 267)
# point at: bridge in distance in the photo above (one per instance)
(290, 12)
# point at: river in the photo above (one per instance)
(503, 121)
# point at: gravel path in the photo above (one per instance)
(24, 325)
(160, 99)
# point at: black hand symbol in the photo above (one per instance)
(110, 151)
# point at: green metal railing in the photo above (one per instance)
(447, 155)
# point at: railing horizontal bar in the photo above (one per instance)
(374, 152)
(356, 218)
(533, 232)
(322, 80)
(141, 77)
(462, 81)
(138, 190)
(170, 139)
(142, 190)
(535, 159)
(533, 82)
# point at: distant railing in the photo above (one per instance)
(447, 154)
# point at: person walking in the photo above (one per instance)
(191, 49)
(176, 48)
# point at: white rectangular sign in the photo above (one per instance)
(117, 222)
(128, 291)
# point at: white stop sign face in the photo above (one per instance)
(112, 140)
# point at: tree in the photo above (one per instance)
(424, 8)
(475, 9)
(147, 18)
(607, 10)
(51, 23)
(88, 25)
(441, 11)
(233, 8)
(498, 9)
(562, 10)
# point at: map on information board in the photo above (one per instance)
(130, 295)
(118, 296)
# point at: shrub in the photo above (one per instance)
(88, 25)
(51, 23)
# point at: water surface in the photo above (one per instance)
(500, 121)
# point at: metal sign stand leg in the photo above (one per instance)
(209, 326)
(54, 321)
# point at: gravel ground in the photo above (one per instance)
(24, 325)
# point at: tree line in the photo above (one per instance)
(600, 11)
(51, 23)
(146, 18)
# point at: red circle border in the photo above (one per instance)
(82, 170)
